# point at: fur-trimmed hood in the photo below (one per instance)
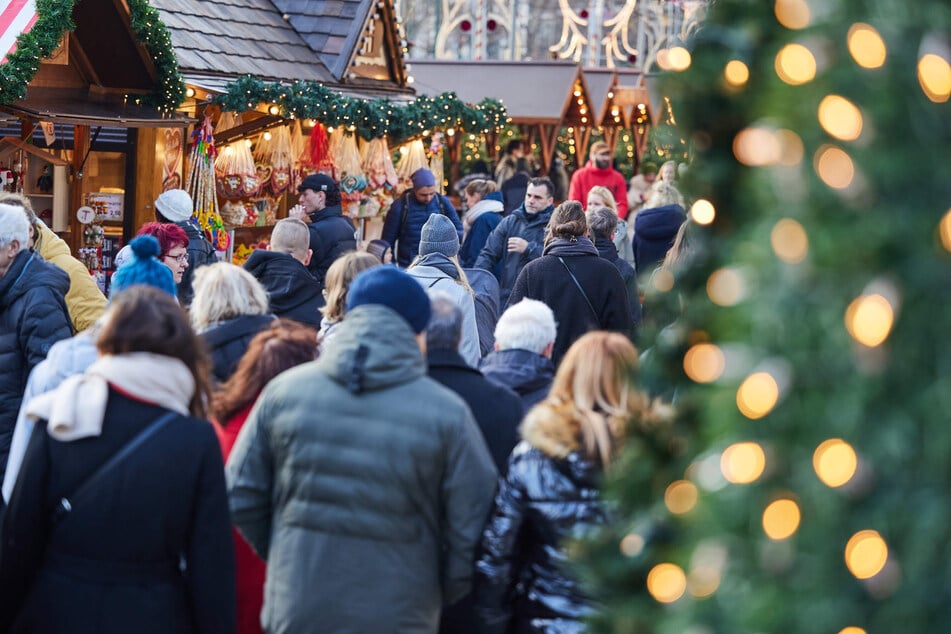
(552, 430)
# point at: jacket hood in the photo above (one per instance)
(606, 249)
(235, 328)
(496, 196)
(27, 271)
(193, 232)
(327, 212)
(552, 429)
(522, 370)
(373, 348)
(660, 222)
(287, 281)
(565, 247)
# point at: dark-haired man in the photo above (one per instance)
(331, 235)
(517, 240)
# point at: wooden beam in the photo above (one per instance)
(80, 149)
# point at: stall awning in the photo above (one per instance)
(80, 108)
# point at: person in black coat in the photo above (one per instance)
(584, 291)
(293, 293)
(552, 491)
(230, 307)
(33, 316)
(146, 546)
(175, 206)
(524, 338)
(497, 411)
(602, 225)
(331, 234)
(655, 227)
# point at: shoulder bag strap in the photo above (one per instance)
(65, 504)
(581, 290)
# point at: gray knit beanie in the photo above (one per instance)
(439, 236)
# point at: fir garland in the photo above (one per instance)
(55, 19)
(369, 118)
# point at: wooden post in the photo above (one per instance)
(80, 149)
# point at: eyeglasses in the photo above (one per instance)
(181, 259)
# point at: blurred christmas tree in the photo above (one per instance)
(665, 141)
(805, 485)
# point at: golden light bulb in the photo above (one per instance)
(663, 59)
(793, 14)
(726, 287)
(704, 363)
(702, 212)
(866, 554)
(781, 519)
(944, 229)
(678, 58)
(852, 630)
(840, 117)
(757, 147)
(743, 462)
(795, 64)
(834, 167)
(934, 75)
(869, 319)
(267, 136)
(274, 110)
(736, 73)
(835, 462)
(680, 497)
(666, 582)
(866, 46)
(789, 241)
(757, 395)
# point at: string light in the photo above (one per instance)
(736, 73)
(866, 554)
(866, 46)
(757, 395)
(704, 363)
(666, 582)
(795, 64)
(793, 14)
(869, 319)
(743, 463)
(840, 117)
(781, 519)
(835, 462)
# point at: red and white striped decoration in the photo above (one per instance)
(16, 17)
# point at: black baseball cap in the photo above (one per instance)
(318, 183)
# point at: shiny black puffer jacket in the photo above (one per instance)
(522, 581)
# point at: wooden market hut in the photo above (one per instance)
(541, 98)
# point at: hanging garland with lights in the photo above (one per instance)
(369, 118)
(55, 19)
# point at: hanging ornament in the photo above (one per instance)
(378, 165)
(201, 186)
(318, 155)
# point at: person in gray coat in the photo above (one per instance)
(362, 482)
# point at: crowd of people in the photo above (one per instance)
(395, 436)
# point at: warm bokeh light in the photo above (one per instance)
(662, 280)
(757, 147)
(757, 395)
(789, 241)
(840, 117)
(703, 212)
(869, 319)
(866, 46)
(781, 519)
(834, 167)
(663, 59)
(736, 73)
(678, 58)
(680, 497)
(793, 14)
(791, 149)
(704, 363)
(743, 462)
(632, 544)
(944, 228)
(703, 581)
(666, 582)
(866, 554)
(726, 287)
(852, 630)
(835, 462)
(795, 64)
(934, 75)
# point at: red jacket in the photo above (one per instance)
(251, 569)
(590, 176)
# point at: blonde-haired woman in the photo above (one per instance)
(339, 277)
(229, 308)
(484, 207)
(551, 490)
(437, 268)
(600, 196)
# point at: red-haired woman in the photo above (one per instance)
(174, 244)
(272, 351)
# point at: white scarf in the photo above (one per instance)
(76, 408)
(481, 207)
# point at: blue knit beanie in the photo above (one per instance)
(391, 287)
(144, 268)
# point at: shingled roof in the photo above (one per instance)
(240, 37)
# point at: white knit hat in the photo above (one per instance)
(175, 204)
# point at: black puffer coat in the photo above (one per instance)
(549, 495)
(200, 252)
(331, 235)
(654, 233)
(292, 291)
(33, 317)
(608, 251)
(228, 341)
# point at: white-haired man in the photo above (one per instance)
(524, 339)
(33, 315)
